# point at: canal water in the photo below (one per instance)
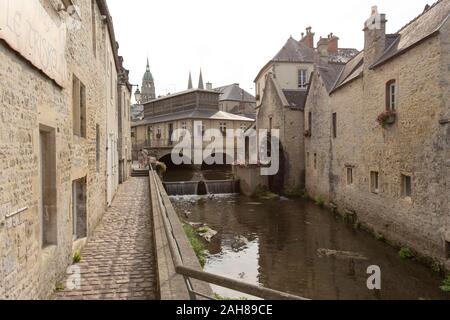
(297, 247)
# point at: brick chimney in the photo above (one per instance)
(308, 39)
(374, 36)
(322, 47)
(333, 43)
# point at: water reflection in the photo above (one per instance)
(275, 244)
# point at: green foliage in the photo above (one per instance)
(406, 253)
(217, 296)
(196, 243)
(436, 266)
(446, 284)
(294, 192)
(320, 201)
(263, 192)
(77, 256)
(59, 286)
(380, 237)
(161, 167)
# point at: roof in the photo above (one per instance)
(147, 75)
(343, 55)
(351, 71)
(193, 114)
(180, 94)
(233, 92)
(295, 98)
(428, 23)
(329, 72)
(292, 51)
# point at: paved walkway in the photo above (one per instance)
(118, 261)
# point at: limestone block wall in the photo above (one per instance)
(415, 145)
(29, 101)
(291, 125)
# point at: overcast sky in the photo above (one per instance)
(231, 40)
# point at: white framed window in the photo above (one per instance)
(223, 128)
(391, 95)
(302, 79)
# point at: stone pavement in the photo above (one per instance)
(118, 262)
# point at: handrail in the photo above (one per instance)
(188, 272)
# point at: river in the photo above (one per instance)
(281, 244)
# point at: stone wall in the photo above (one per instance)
(415, 145)
(30, 101)
(273, 112)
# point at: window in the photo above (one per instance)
(334, 125)
(349, 175)
(94, 29)
(243, 126)
(223, 128)
(406, 186)
(391, 95)
(158, 133)
(79, 212)
(374, 182)
(111, 80)
(97, 146)
(184, 125)
(270, 124)
(79, 107)
(48, 192)
(315, 161)
(302, 79)
(307, 159)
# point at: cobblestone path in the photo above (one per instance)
(118, 261)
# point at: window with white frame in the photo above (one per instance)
(391, 95)
(302, 79)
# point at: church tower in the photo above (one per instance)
(148, 86)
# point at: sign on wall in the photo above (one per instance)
(29, 29)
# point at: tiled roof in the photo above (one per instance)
(352, 70)
(417, 30)
(200, 114)
(234, 93)
(293, 51)
(296, 98)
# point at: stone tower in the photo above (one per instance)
(148, 86)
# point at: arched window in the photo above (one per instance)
(391, 95)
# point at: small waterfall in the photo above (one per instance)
(181, 188)
(201, 187)
(222, 186)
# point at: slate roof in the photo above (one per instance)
(329, 72)
(200, 114)
(292, 51)
(417, 30)
(233, 92)
(296, 98)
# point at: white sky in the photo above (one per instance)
(232, 40)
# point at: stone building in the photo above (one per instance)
(234, 99)
(124, 110)
(394, 177)
(164, 115)
(54, 137)
(281, 89)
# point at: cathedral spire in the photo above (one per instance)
(200, 81)
(190, 81)
(148, 65)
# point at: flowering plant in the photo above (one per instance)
(386, 117)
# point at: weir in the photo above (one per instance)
(185, 188)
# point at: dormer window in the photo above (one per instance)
(302, 79)
(391, 95)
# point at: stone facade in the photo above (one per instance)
(409, 159)
(36, 137)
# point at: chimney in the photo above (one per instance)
(322, 47)
(209, 86)
(374, 36)
(333, 43)
(308, 39)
